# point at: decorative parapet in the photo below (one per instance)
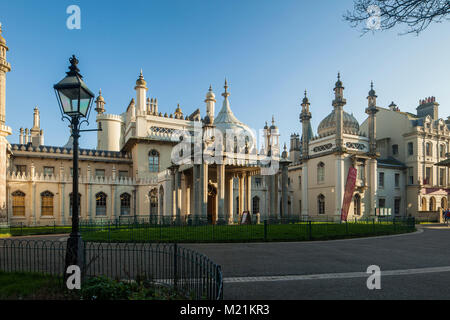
(5, 130)
(113, 117)
(122, 181)
(64, 151)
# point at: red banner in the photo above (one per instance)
(349, 190)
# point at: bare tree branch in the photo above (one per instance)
(417, 15)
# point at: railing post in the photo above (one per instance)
(175, 266)
(265, 230)
(310, 230)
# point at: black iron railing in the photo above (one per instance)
(143, 230)
(189, 273)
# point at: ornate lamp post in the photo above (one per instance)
(75, 101)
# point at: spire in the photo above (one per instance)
(140, 82)
(372, 97)
(372, 92)
(339, 100)
(339, 83)
(226, 94)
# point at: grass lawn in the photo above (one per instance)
(29, 231)
(30, 286)
(240, 233)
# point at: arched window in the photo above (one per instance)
(357, 205)
(432, 204)
(424, 204)
(153, 196)
(444, 203)
(153, 161)
(100, 204)
(18, 204)
(255, 205)
(321, 204)
(320, 172)
(442, 151)
(71, 204)
(125, 204)
(161, 201)
(429, 149)
(47, 203)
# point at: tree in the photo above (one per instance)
(417, 15)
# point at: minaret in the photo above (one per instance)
(4, 68)
(100, 103)
(4, 130)
(338, 103)
(373, 181)
(35, 132)
(141, 94)
(210, 105)
(372, 111)
(305, 118)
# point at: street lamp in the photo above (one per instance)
(75, 100)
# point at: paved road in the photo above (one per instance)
(415, 266)
(338, 260)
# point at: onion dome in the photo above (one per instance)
(210, 94)
(140, 82)
(226, 120)
(329, 124)
(273, 126)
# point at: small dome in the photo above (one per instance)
(140, 82)
(328, 125)
(210, 95)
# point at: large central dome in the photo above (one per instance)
(329, 124)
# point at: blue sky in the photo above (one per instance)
(270, 51)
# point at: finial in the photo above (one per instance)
(371, 85)
(141, 75)
(0, 28)
(226, 94)
(210, 88)
(273, 119)
(100, 92)
(339, 76)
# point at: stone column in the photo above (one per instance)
(373, 185)
(248, 193)
(340, 177)
(276, 204)
(241, 195)
(196, 188)
(173, 192)
(177, 194)
(204, 191)
(284, 190)
(304, 208)
(221, 193)
(229, 199)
